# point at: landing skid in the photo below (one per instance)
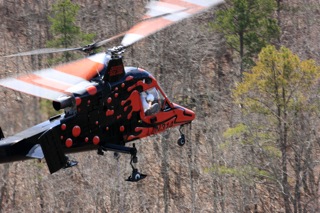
(135, 175)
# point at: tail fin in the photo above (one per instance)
(52, 150)
(1, 134)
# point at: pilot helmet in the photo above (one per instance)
(150, 98)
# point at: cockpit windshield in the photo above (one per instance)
(153, 101)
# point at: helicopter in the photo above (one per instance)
(105, 104)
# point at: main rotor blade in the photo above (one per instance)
(43, 51)
(168, 13)
(86, 48)
(101, 43)
(61, 80)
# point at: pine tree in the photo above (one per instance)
(64, 30)
(248, 26)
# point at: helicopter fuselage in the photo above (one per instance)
(104, 114)
(114, 112)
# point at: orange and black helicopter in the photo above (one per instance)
(106, 105)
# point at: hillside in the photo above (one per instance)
(195, 68)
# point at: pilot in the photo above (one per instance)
(149, 99)
(149, 107)
(145, 104)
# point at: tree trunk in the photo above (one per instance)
(241, 53)
(283, 144)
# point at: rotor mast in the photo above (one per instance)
(115, 69)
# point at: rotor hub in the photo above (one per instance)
(116, 52)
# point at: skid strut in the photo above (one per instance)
(135, 175)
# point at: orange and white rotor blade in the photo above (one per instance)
(58, 81)
(164, 13)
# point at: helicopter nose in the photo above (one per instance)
(185, 115)
(189, 114)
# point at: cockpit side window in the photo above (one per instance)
(152, 101)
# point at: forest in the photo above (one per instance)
(250, 71)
